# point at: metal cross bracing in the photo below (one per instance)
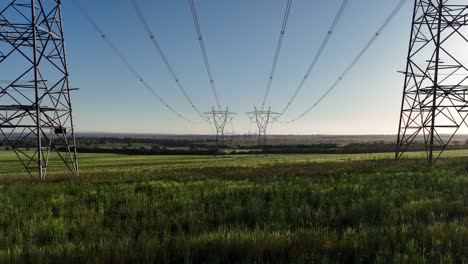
(220, 118)
(435, 102)
(263, 118)
(35, 101)
(233, 137)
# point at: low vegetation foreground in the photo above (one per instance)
(363, 208)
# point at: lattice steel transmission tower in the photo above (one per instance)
(263, 119)
(219, 119)
(35, 102)
(435, 103)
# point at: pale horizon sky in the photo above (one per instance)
(241, 38)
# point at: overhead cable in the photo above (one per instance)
(319, 53)
(366, 48)
(124, 60)
(277, 53)
(163, 56)
(204, 52)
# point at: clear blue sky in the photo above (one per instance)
(241, 38)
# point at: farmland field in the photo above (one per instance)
(361, 208)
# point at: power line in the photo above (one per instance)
(366, 48)
(277, 53)
(319, 53)
(124, 60)
(163, 56)
(204, 53)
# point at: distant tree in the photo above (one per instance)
(155, 147)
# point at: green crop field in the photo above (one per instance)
(364, 208)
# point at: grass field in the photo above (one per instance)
(362, 208)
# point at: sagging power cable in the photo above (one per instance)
(204, 52)
(124, 60)
(361, 54)
(163, 56)
(318, 55)
(277, 53)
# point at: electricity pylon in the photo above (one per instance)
(219, 119)
(436, 78)
(35, 102)
(263, 119)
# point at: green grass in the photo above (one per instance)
(114, 163)
(284, 208)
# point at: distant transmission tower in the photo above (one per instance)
(263, 119)
(35, 104)
(220, 119)
(435, 103)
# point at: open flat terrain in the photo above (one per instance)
(364, 208)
